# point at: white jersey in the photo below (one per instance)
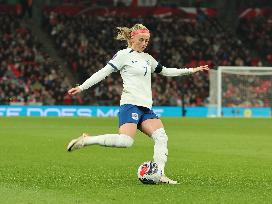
(135, 69)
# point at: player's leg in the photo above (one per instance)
(125, 138)
(155, 129)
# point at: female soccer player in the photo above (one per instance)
(135, 112)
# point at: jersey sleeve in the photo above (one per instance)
(96, 77)
(117, 61)
(176, 72)
(156, 67)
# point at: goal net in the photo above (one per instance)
(240, 92)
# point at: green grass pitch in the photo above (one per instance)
(216, 161)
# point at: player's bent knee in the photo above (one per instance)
(127, 141)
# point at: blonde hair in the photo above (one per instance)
(124, 33)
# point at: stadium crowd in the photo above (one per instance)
(256, 33)
(27, 75)
(247, 90)
(87, 43)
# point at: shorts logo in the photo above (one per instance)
(135, 116)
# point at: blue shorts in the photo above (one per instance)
(129, 113)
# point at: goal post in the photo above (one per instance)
(240, 92)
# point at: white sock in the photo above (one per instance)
(110, 140)
(160, 148)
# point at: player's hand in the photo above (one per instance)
(74, 91)
(201, 68)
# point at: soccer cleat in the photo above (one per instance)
(167, 180)
(76, 143)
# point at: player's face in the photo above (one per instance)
(139, 42)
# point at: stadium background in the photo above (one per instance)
(48, 46)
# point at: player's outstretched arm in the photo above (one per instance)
(94, 79)
(184, 71)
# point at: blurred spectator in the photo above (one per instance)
(26, 8)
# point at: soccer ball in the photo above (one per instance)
(149, 173)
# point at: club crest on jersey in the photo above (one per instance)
(134, 116)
